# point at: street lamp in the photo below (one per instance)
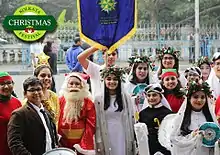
(197, 45)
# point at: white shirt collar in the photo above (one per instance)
(36, 107)
(156, 106)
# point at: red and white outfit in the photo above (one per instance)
(78, 134)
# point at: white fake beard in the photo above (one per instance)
(74, 104)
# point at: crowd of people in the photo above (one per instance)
(103, 120)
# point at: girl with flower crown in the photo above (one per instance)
(138, 78)
(180, 133)
(139, 73)
(114, 111)
(169, 59)
(172, 89)
(205, 66)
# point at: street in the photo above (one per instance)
(18, 79)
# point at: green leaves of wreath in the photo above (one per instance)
(107, 5)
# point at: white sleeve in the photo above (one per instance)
(93, 70)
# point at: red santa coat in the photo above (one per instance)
(80, 132)
(6, 109)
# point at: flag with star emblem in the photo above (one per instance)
(107, 23)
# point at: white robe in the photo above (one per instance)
(214, 83)
(170, 137)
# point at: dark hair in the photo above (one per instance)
(209, 64)
(176, 91)
(116, 50)
(39, 68)
(31, 81)
(134, 77)
(176, 66)
(76, 40)
(187, 116)
(118, 98)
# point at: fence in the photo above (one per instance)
(147, 38)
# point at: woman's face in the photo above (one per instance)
(153, 98)
(198, 100)
(216, 68)
(170, 82)
(6, 88)
(74, 84)
(205, 69)
(45, 77)
(141, 71)
(111, 82)
(168, 61)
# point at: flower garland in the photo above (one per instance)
(198, 86)
(141, 59)
(160, 52)
(117, 71)
(203, 60)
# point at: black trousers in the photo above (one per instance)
(53, 62)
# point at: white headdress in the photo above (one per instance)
(158, 89)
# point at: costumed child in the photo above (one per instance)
(155, 108)
(77, 119)
(8, 103)
(172, 89)
(139, 73)
(138, 79)
(214, 76)
(169, 59)
(115, 119)
(181, 133)
(193, 74)
(205, 66)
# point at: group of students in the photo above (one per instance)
(102, 122)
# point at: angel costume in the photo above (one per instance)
(170, 133)
(214, 83)
(114, 130)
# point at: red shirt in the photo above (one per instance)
(6, 109)
(80, 132)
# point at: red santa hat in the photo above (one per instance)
(83, 77)
(4, 76)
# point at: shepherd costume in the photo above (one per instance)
(7, 105)
(152, 116)
(78, 132)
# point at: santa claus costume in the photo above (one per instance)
(77, 115)
(8, 103)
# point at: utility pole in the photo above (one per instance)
(197, 38)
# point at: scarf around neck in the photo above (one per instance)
(4, 98)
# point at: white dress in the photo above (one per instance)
(214, 83)
(197, 119)
(116, 132)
